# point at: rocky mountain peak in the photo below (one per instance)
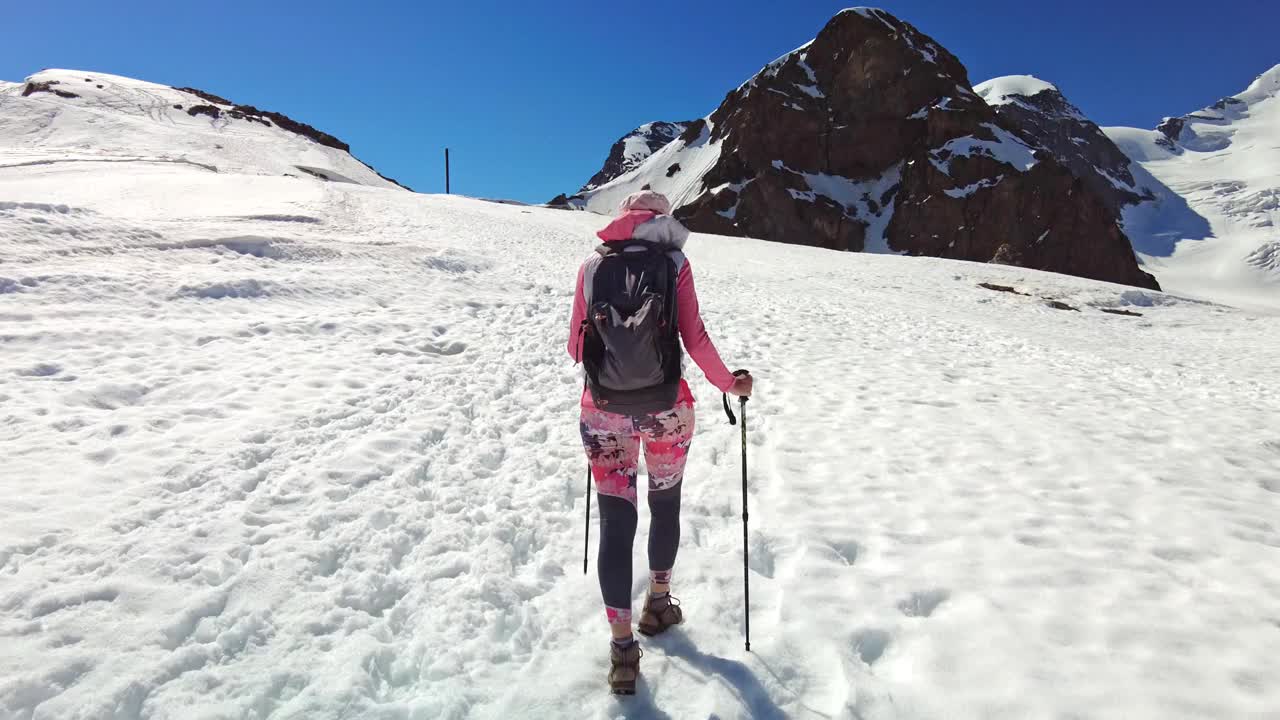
(1042, 116)
(870, 137)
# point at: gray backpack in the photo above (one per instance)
(630, 338)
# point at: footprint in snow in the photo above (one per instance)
(441, 348)
(870, 644)
(923, 603)
(1176, 555)
(764, 555)
(40, 370)
(848, 551)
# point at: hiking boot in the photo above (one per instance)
(624, 668)
(660, 614)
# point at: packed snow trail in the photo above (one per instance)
(281, 448)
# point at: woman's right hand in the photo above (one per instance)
(742, 385)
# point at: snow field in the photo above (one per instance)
(1225, 168)
(117, 119)
(279, 448)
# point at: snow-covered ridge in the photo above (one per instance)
(1266, 85)
(1211, 129)
(1042, 115)
(1223, 163)
(675, 170)
(55, 114)
(1031, 94)
(633, 149)
(1006, 89)
(637, 145)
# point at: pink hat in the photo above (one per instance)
(645, 215)
(646, 200)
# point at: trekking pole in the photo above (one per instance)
(586, 542)
(746, 577)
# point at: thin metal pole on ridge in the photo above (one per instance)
(446, 171)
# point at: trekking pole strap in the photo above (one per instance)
(724, 398)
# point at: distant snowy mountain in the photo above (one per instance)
(1224, 163)
(1039, 112)
(871, 138)
(634, 148)
(56, 114)
(1153, 216)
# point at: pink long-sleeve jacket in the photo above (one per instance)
(664, 230)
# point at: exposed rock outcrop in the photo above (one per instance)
(32, 88)
(1044, 118)
(871, 138)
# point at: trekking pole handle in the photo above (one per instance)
(742, 400)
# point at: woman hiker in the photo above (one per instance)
(635, 302)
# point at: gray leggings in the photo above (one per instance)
(617, 535)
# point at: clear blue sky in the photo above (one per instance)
(530, 95)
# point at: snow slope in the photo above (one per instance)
(634, 148)
(1224, 163)
(280, 448)
(695, 156)
(277, 447)
(115, 119)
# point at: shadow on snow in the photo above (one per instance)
(735, 675)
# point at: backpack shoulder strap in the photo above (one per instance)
(589, 268)
(678, 258)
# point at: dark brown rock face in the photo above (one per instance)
(871, 137)
(206, 96)
(1171, 128)
(1047, 120)
(209, 110)
(1046, 219)
(47, 87)
(265, 117)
